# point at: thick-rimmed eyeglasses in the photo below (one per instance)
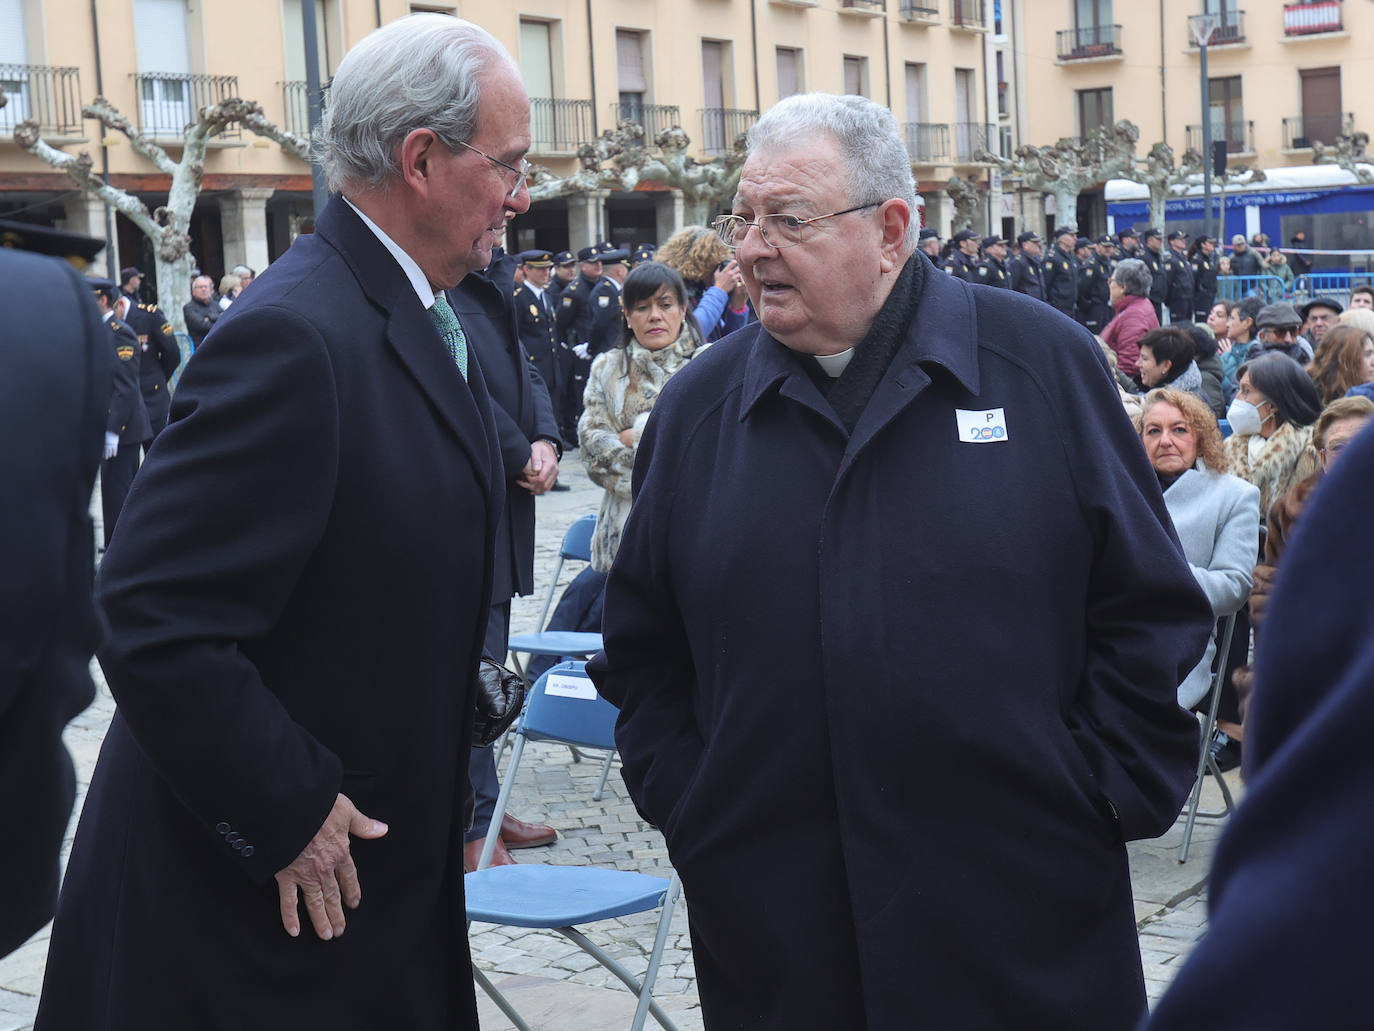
(778, 231)
(522, 174)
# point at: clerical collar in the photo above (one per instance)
(834, 364)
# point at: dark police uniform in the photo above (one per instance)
(1094, 292)
(534, 319)
(1204, 284)
(1061, 280)
(556, 285)
(606, 318)
(1178, 283)
(957, 263)
(1028, 271)
(126, 417)
(159, 357)
(1158, 264)
(574, 322)
(994, 272)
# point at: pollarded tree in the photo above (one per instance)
(966, 198)
(1158, 172)
(1071, 165)
(617, 160)
(1348, 153)
(167, 227)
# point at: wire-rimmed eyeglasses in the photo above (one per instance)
(522, 174)
(778, 231)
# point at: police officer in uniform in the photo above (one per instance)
(1157, 261)
(1061, 272)
(1178, 282)
(929, 243)
(1027, 270)
(993, 270)
(1204, 264)
(574, 325)
(1130, 244)
(962, 260)
(644, 252)
(159, 355)
(126, 425)
(534, 319)
(605, 302)
(1094, 286)
(564, 272)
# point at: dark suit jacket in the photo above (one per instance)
(523, 414)
(53, 398)
(127, 415)
(297, 599)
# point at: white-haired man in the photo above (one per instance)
(896, 626)
(297, 608)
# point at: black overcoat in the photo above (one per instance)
(1289, 902)
(897, 700)
(53, 401)
(522, 412)
(297, 599)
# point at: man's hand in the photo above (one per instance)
(324, 872)
(541, 471)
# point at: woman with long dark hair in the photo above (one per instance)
(658, 338)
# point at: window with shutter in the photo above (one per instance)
(789, 72)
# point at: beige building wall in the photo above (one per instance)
(1155, 75)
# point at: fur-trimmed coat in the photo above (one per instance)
(1287, 458)
(616, 401)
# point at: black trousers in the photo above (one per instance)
(482, 761)
(116, 476)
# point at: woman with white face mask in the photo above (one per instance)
(1271, 447)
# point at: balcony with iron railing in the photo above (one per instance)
(969, 15)
(1089, 42)
(49, 95)
(653, 117)
(296, 104)
(1308, 19)
(1239, 137)
(920, 12)
(970, 138)
(721, 126)
(927, 142)
(169, 101)
(1301, 132)
(559, 126)
(1230, 30)
(863, 6)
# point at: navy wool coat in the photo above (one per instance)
(897, 699)
(53, 402)
(1290, 898)
(297, 599)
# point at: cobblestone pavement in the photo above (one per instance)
(550, 981)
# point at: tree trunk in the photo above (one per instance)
(173, 291)
(1065, 203)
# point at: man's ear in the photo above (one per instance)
(414, 155)
(895, 216)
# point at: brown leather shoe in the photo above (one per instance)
(472, 852)
(519, 834)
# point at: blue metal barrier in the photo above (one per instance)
(1235, 288)
(1336, 285)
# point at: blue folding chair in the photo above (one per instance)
(563, 706)
(566, 644)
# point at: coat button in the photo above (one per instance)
(237, 845)
(248, 850)
(222, 828)
(234, 838)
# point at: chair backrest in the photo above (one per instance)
(563, 706)
(577, 542)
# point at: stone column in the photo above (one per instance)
(243, 223)
(83, 214)
(584, 221)
(668, 214)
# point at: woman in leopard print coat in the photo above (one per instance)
(657, 340)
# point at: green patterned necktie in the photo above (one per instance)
(452, 331)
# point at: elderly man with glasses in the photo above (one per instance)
(1278, 328)
(298, 593)
(896, 625)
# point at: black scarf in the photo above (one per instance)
(850, 392)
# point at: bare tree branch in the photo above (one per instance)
(965, 196)
(110, 117)
(1348, 153)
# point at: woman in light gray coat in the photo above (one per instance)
(1215, 514)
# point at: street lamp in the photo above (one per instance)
(1201, 27)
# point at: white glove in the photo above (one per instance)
(111, 445)
(581, 351)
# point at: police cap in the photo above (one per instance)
(77, 248)
(962, 235)
(1029, 236)
(536, 259)
(592, 253)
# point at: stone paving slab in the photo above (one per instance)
(549, 980)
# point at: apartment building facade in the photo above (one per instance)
(708, 66)
(1281, 76)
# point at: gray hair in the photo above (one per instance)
(875, 155)
(419, 72)
(1133, 276)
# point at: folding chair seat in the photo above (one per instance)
(1205, 762)
(563, 706)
